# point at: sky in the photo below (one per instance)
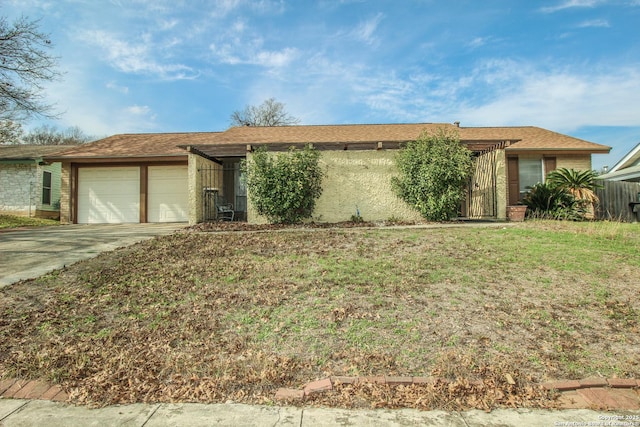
(571, 66)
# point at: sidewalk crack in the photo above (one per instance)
(14, 411)
(151, 415)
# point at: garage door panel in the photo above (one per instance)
(109, 195)
(168, 199)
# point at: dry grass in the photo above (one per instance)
(233, 316)
(14, 221)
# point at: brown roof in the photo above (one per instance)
(234, 141)
(30, 152)
(139, 145)
(524, 138)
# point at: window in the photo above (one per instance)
(46, 188)
(530, 174)
(525, 172)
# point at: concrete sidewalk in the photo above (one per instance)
(45, 413)
(30, 253)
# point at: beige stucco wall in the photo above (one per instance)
(196, 163)
(355, 180)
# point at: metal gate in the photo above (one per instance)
(224, 195)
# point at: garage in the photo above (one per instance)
(108, 195)
(168, 199)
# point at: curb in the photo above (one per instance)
(603, 393)
(590, 393)
(573, 385)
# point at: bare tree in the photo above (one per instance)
(50, 135)
(25, 66)
(10, 132)
(269, 113)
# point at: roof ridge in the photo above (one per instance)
(343, 125)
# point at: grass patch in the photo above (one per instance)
(211, 317)
(14, 221)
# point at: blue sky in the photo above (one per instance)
(572, 66)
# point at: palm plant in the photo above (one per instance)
(546, 201)
(580, 184)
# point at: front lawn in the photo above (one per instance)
(14, 221)
(213, 317)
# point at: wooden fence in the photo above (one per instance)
(615, 197)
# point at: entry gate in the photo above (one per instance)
(222, 185)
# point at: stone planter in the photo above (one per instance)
(516, 213)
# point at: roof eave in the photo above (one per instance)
(628, 158)
(560, 150)
(120, 159)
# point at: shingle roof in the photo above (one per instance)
(366, 136)
(139, 145)
(30, 152)
(235, 140)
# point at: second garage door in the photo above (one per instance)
(168, 199)
(108, 195)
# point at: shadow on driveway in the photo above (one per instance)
(26, 254)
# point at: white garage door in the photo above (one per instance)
(108, 195)
(168, 199)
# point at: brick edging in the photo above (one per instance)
(328, 383)
(31, 389)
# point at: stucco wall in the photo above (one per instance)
(18, 188)
(355, 180)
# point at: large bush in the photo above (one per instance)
(580, 184)
(433, 173)
(549, 201)
(284, 187)
(565, 194)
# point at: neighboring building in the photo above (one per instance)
(184, 176)
(620, 192)
(28, 185)
(627, 169)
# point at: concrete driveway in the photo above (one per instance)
(26, 254)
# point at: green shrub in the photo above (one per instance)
(433, 173)
(284, 187)
(548, 201)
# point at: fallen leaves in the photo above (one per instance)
(213, 317)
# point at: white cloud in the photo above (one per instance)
(559, 99)
(365, 30)
(275, 59)
(114, 86)
(598, 23)
(568, 4)
(478, 42)
(138, 110)
(223, 8)
(236, 51)
(493, 93)
(136, 58)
